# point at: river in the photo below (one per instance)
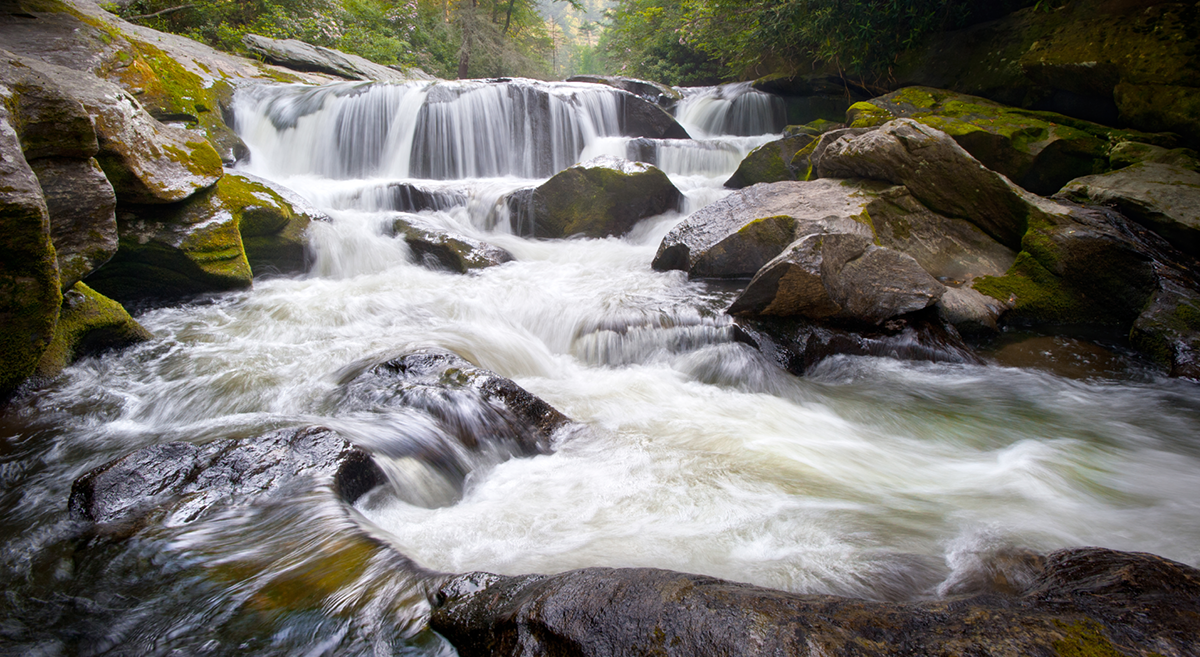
(866, 477)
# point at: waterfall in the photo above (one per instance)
(732, 109)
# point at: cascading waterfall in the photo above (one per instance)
(868, 477)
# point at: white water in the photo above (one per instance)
(868, 477)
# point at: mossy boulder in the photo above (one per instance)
(769, 163)
(1040, 151)
(1161, 197)
(88, 323)
(439, 249)
(83, 220)
(1128, 153)
(812, 128)
(273, 221)
(29, 288)
(605, 196)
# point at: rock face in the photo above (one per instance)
(29, 288)
(1119, 63)
(770, 162)
(439, 249)
(186, 481)
(83, 220)
(88, 323)
(1040, 151)
(1162, 197)
(1083, 601)
(602, 197)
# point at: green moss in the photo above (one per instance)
(87, 323)
(866, 115)
(1084, 639)
(1038, 295)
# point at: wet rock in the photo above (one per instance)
(601, 197)
(938, 172)
(1088, 599)
(770, 162)
(440, 249)
(300, 56)
(659, 94)
(814, 128)
(1164, 198)
(83, 220)
(30, 295)
(146, 161)
(970, 312)
(1037, 150)
(183, 482)
(640, 118)
(1168, 328)
(88, 323)
(273, 222)
(735, 236)
(479, 408)
(1128, 153)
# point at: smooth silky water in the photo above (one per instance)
(867, 477)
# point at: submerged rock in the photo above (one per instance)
(88, 323)
(1161, 197)
(183, 481)
(602, 197)
(1087, 599)
(440, 249)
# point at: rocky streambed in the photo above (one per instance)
(597, 367)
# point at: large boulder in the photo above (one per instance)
(1162, 197)
(30, 295)
(88, 323)
(304, 57)
(641, 118)
(602, 197)
(1081, 601)
(83, 219)
(938, 172)
(273, 222)
(182, 482)
(770, 162)
(1040, 151)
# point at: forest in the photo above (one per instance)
(679, 42)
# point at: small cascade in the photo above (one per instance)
(731, 109)
(441, 131)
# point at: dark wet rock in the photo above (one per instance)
(1083, 601)
(642, 150)
(814, 128)
(602, 197)
(83, 220)
(407, 197)
(441, 249)
(1168, 328)
(1162, 197)
(300, 56)
(938, 172)
(30, 294)
(88, 323)
(797, 344)
(479, 408)
(640, 118)
(770, 162)
(1038, 150)
(146, 161)
(184, 481)
(659, 94)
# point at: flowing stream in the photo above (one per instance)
(867, 477)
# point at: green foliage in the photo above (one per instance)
(645, 39)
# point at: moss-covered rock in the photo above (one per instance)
(769, 163)
(273, 222)
(1128, 153)
(1040, 151)
(29, 287)
(605, 196)
(813, 128)
(88, 323)
(438, 249)
(83, 220)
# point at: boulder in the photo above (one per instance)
(146, 161)
(1040, 151)
(970, 312)
(1082, 601)
(1161, 197)
(814, 128)
(88, 323)
(304, 57)
(1128, 153)
(273, 222)
(30, 295)
(770, 162)
(182, 482)
(938, 172)
(640, 118)
(83, 220)
(659, 94)
(439, 249)
(602, 197)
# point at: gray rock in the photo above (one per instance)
(1162, 197)
(640, 118)
(602, 197)
(304, 57)
(1128, 153)
(659, 94)
(873, 284)
(440, 249)
(1168, 328)
(83, 220)
(1118, 603)
(184, 482)
(938, 172)
(970, 312)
